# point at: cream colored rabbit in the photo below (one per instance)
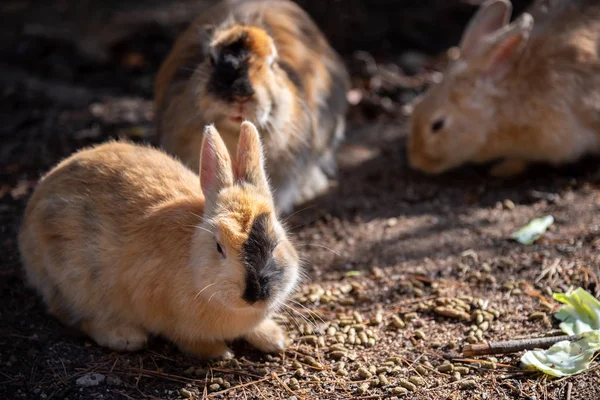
(517, 93)
(121, 242)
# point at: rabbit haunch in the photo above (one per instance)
(121, 242)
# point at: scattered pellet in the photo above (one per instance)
(364, 373)
(417, 380)
(407, 384)
(468, 384)
(398, 323)
(294, 384)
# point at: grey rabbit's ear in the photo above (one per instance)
(491, 16)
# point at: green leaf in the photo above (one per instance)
(580, 312)
(564, 358)
(533, 230)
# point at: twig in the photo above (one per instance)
(513, 346)
(569, 388)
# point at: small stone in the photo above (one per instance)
(90, 380)
(407, 384)
(331, 331)
(391, 222)
(468, 384)
(364, 373)
(186, 394)
(417, 380)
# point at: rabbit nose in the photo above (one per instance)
(257, 288)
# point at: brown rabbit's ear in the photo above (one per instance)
(505, 47)
(491, 16)
(215, 166)
(250, 165)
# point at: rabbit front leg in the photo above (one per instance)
(508, 168)
(267, 337)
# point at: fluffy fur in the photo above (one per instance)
(265, 61)
(122, 243)
(518, 92)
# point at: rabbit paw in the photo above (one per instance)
(203, 349)
(508, 168)
(267, 337)
(118, 338)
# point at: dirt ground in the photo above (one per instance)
(382, 249)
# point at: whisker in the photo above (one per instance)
(319, 245)
(213, 295)
(206, 287)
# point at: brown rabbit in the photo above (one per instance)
(265, 61)
(517, 93)
(121, 242)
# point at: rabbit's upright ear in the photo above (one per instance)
(504, 48)
(250, 164)
(216, 172)
(491, 16)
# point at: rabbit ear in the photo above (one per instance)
(491, 16)
(215, 166)
(505, 47)
(250, 165)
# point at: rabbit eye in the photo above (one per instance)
(437, 125)
(220, 249)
